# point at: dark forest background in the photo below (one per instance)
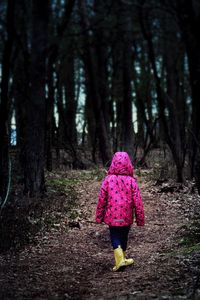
(83, 79)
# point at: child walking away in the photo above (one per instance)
(119, 198)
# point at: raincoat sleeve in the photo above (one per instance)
(102, 202)
(138, 205)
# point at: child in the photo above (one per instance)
(118, 196)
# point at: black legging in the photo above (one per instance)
(119, 236)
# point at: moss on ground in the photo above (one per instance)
(191, 239)
(192, 235)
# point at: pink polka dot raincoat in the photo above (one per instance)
(119, 196)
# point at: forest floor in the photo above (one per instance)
(70, 257)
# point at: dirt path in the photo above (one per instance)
(77, 264)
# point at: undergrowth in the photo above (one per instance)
(23, 217)
(191, 238)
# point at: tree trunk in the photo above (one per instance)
(71, 102)
(175, 103)
(20, 83)
(35, 135)
(128, 133)
(90, 117)
(91, 65)
(197, 166)
(146, 126)
(189, 18)
(21, 79)
(128, 136)
(4, 104)
(50, 113)
(101, 49)
(122, 61)
(117, 90)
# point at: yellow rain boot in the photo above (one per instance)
(128, 261)
(119, 259)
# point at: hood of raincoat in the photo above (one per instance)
(121, 165)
